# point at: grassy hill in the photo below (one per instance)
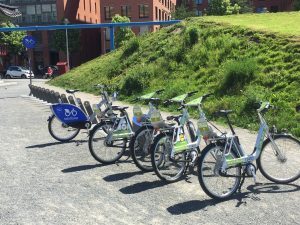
(199, 54)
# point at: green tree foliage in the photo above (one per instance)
(13, 40)
(59, 40)
(223, 7)
(297, 4)
(122, 34)
(181, 13)
(246, 5)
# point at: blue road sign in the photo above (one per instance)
(29, 41)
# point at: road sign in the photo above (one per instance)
(29, 41)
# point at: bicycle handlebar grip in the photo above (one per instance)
(192, 93)
(159, 91)
(207, 95)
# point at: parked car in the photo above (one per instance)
(18, 72)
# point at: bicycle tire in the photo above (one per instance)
(137, 148)
(272, 173)
(201, 175)
(51, 121)
(158, 167)
(92, 140)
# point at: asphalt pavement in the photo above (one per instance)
(46, 182)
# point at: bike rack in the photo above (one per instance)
(81, 105)
(71, 100)
(90, 111)
(64, 99)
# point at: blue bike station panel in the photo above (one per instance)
(70, 115)
(112, 27)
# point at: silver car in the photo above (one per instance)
(18, 72)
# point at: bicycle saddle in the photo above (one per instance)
(224, 112)
(72, 91)
(174, 117)
(116, 107)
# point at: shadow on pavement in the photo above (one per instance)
(273, 188)
(253, 191)
(122, 176)
(9, 97)
(142, 186)
(55, 143)
(81, 168)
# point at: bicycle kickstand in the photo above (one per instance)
(242, 182)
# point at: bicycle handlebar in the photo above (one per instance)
(159, 91)
(192, 93)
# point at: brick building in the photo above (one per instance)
(141, 11)
(96, 41)
(36, 12)
(200, 6)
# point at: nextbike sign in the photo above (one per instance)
(67, 113)
(29, 41)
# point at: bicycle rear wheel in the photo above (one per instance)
(214, 183)
(140, 148)
(280, 167)
(61, 131)
(101, 148)
(166, 167)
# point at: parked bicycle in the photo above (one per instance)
(176, 149)
(67, 120)
(223, 165)
(141, 142)
(108, 140)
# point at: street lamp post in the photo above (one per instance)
(66, 22)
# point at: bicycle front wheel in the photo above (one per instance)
(102, 147)
(167, 167)
(279, 160)
(61, 131)
(214, 182)
(140, 148)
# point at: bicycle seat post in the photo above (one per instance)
(230, 126)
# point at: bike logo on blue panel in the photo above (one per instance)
(29, 41)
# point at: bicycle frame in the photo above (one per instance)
(232, 142)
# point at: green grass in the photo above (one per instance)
(284, 23)
(205, 56)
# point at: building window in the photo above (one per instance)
(95, 7)
(126, 11)
(108, 12)
(90, 6)
(84, 5)
(198, 12)
(144, 11)
(159, 14)
(156, 13)
(198, 2)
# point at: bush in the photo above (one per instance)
(237, 74)
(192, 36)
(131, 85)
(131, 47)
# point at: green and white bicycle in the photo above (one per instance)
(223, 165)
(141, 142)
(176, 149)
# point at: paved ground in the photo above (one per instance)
(46, 182)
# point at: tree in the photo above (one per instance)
(246, 6)
(13, 40)
(181, 13)
(222, 7)
(59, 40)
(122, 34)
(297, 4)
